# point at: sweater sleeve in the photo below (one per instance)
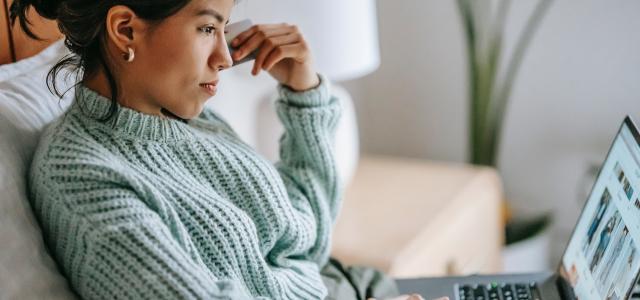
(111, 245)
(307, 163)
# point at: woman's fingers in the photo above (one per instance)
(267, 48)
(282, 52)
(242, 37)
(248, 43)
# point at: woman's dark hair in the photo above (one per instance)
(83, 24)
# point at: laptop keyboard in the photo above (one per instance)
(499, 291)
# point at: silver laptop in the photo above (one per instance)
(601, 260)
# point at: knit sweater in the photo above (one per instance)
(149, 207)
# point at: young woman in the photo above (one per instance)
(144, 193)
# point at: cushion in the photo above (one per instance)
(27, 271)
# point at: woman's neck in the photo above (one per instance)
(100, 84)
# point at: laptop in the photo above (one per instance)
(601, 260)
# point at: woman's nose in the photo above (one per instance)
(221, 58)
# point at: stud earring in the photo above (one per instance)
(129, 56)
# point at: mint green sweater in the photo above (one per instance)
(147, 207)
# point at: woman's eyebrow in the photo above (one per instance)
(213, 13)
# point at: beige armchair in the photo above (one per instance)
(415, 218)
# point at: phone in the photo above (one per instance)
(233, 30)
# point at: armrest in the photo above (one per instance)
(411, 217)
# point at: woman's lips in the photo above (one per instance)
(209, 88)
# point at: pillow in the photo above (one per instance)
(27, 271)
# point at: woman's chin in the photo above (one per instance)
(196, 112)
(183, 114)
(190, 115)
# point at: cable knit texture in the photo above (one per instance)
(147, 207)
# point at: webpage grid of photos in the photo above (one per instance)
(601, 261)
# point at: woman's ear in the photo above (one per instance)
(124, 28)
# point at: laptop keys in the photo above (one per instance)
(503, 291)
(494, 292)
(522, 291)
(465, 292)
(507, 291)
(469, 292)
(480, 292)
(535, 292)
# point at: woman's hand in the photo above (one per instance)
(283, 52)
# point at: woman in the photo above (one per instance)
(142, 192)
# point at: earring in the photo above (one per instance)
(129, 57)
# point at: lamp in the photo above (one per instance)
(342, 34)
(343, 39)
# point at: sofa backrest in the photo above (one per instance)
(27, 271)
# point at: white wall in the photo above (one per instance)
(580, 77)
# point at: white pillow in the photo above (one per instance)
(27, 271)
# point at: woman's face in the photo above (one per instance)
(176, 59)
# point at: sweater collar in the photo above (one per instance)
(128, 122)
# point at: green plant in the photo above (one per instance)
(490, 84)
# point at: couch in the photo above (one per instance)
(407, 217)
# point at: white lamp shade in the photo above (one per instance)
(343, 35)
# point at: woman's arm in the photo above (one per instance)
(142, 260)
(309, 114)
(307, 159)
(112, 245)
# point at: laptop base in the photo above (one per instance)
(435, 287)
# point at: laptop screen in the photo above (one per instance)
(602, 259)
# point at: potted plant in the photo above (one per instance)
(491, 78)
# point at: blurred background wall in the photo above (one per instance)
(578, 80)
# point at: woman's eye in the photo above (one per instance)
(208, 30)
